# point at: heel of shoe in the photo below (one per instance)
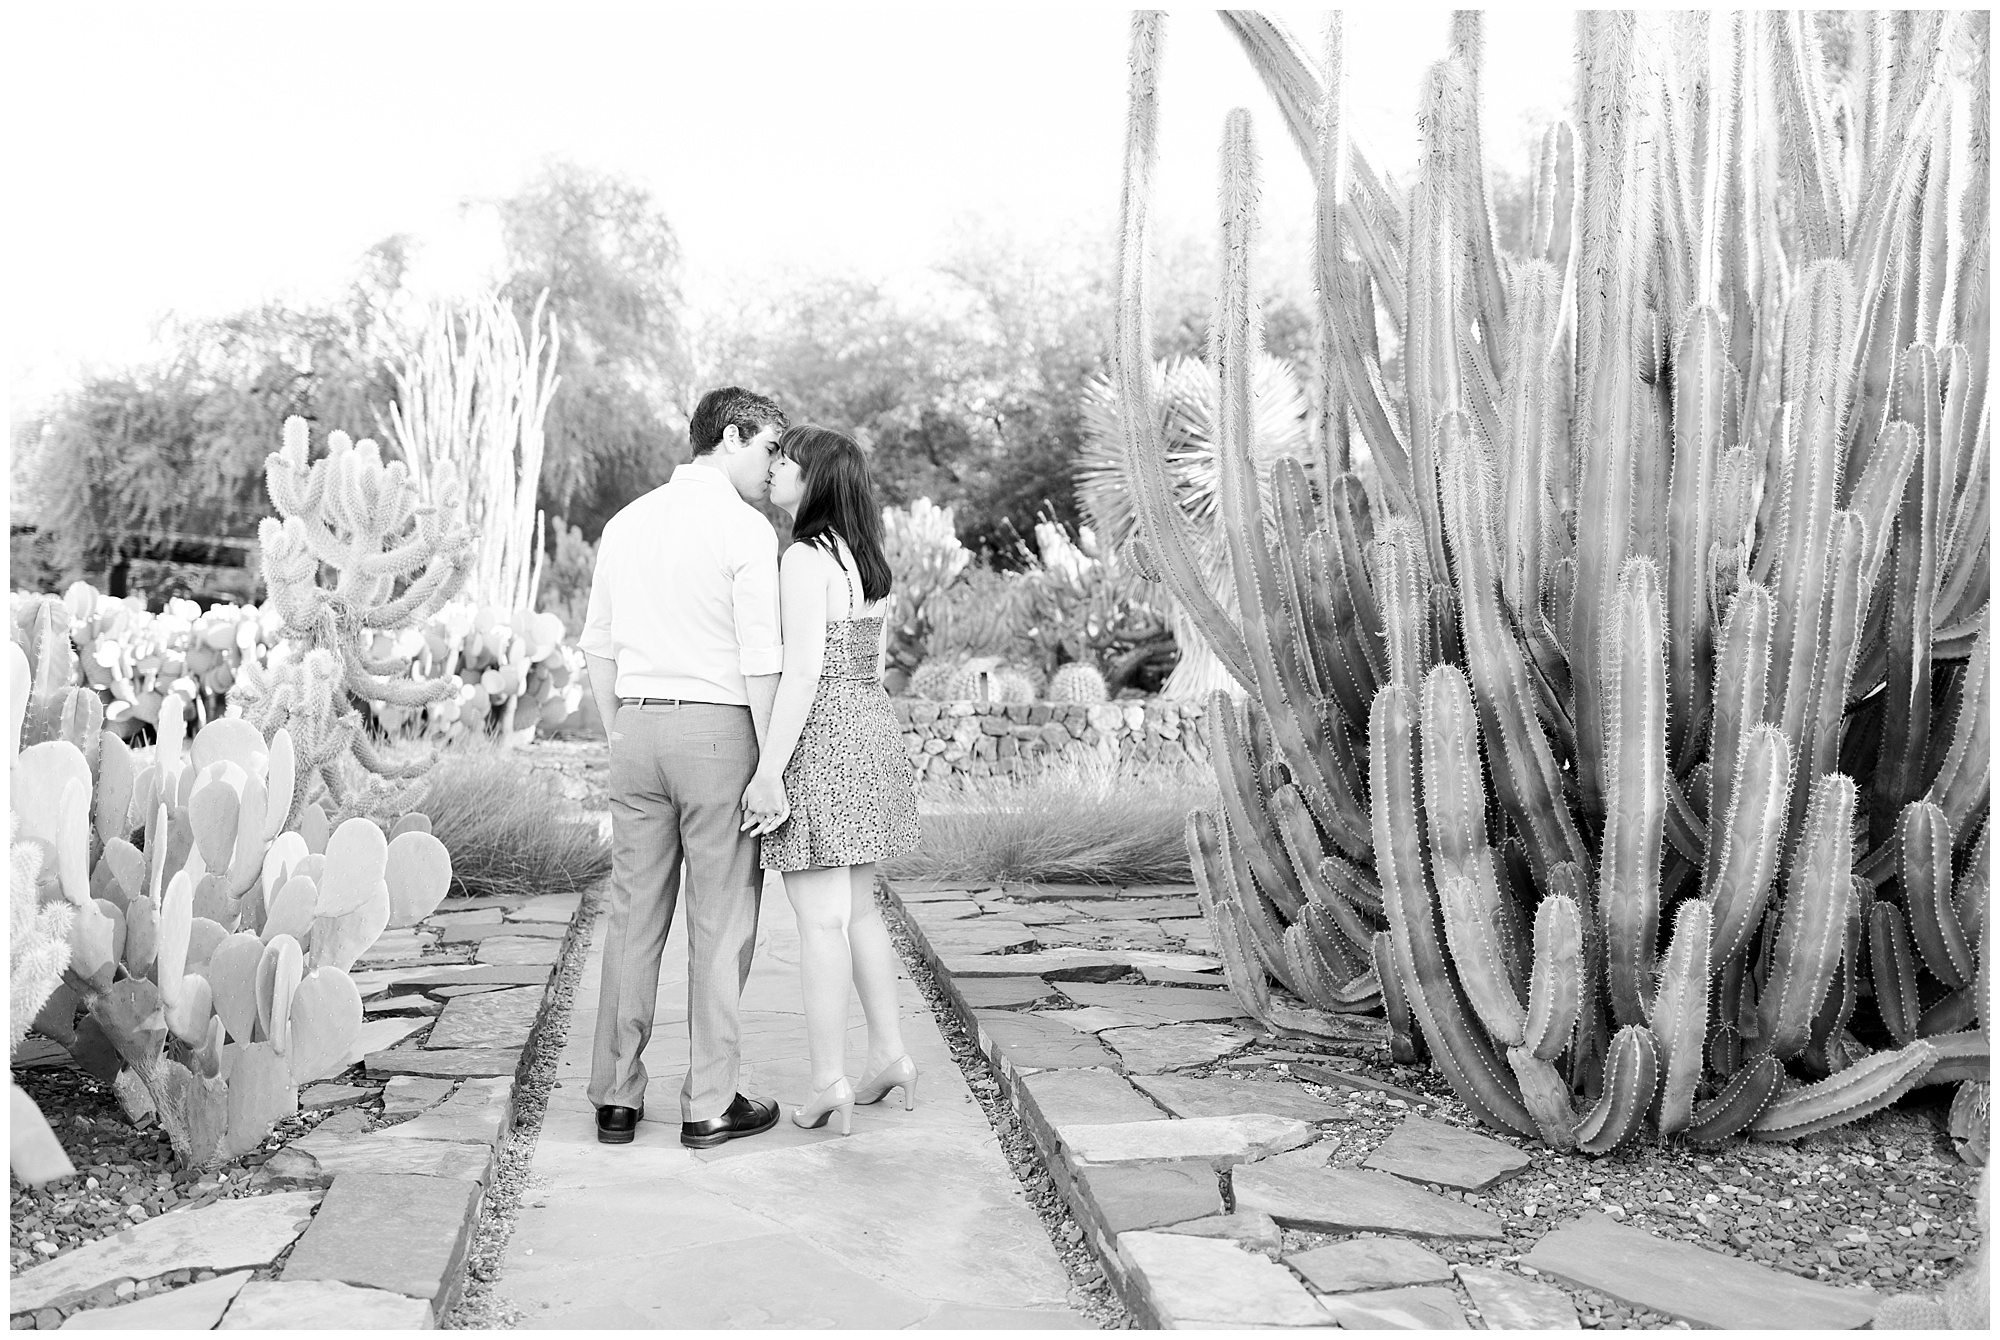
(845, 1112)
(836, 1098)
(909, 1088)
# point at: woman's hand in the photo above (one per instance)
(765, 808)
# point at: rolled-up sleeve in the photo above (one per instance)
(597, 639)
(760, 647)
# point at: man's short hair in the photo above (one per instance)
(726, 405)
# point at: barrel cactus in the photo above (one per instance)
(1077, 682)
(206, 972)
(1635, 712)
(932, 680)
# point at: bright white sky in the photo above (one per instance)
(205, 157)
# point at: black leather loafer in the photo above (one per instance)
(616, 1125)
(743, 1116)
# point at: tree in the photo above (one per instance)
(611, 265)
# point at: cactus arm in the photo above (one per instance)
(1454, 782)
(1525, 773)
(1828, 1046)
(1867, 1086)
(1742, 667)
(1631, 1078)
(1351, 884)
(1738, 1103)
(1846, 600)
(1635, 793)
(1469, 902)
(1960, 1057)
(1810, 934)
(1164, 527)
(1808, 146)
(1913, 585)
(1555, 981)
(1309, 861)
(1534, 394)
(1699, 360)
(1308, 612)
(1546, 1096)
(1245, 811)
(1949, 1015)
(1680, 1015)
(1962, 784)
(1962, 574)
(1404, 599)
(1878, 495)
(1969, 895)
(1463, 1053)
(1925, 869)
(1395, 1005)
(1213, 881)
(1351, 528)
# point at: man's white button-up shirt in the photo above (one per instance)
(685, 594)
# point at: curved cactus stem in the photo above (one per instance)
(1925, 839)
(1963, 783)
(1214, 884)
(1395, 1005)
(1830, 1044)
(1812, 929)
(1631, 1077)
(1634, 677)
(1680, 1015)
(1545, 1094)
(1949, 1015)
(1699, 360)
(1960, 1057)
(1464, 1054)
(1867, 1086)
(1847, 598)
(1469, 901)
(1738, 1103)
(1244, 808)
(1742, 668)
(1555, 981)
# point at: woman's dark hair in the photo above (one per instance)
(837, 498)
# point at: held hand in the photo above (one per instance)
(764, 805)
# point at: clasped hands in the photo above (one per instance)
(765, 807)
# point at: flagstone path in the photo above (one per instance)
(1220, 1198)
(914, 1220)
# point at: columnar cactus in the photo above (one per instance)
(205, 973)
(1635, 712)
(395, 560)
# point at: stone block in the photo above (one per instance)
(1151, 1050)
(489, 1019)
(1421, 1307)
(1694, 1284)
(1027, 1042)
(472, 934)
(1146, 1195)
(1300, 1191)
(402, 1233)
(1255, 1231)
(513, 950)
(1227, 1095)
(1369, 1263)
(406, 1095)
(1052, 1099)
(193, 1307)
(329, 1097)
(459, 1061)
(1182, 1280)
(323, 1305)
(1162, 1004)
(1424, 1150)
(1003, 993)
(225, 1235)
(1509, 1302)
(323, 1155)
(481, 1110)
(1219, 1142)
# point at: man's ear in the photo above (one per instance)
(732, 440)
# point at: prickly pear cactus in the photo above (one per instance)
(1077, 682)
(357, 553)
(206, 967)
(1633, 710)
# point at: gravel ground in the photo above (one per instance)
(1090, 1291)
(483, 1306)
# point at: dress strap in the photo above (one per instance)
(847, 570)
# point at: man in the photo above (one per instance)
(683, 649)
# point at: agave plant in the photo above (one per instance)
(1642, 717)
(1185, 404)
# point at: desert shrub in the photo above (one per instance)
(1092, 823)
(509, 828)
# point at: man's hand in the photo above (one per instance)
(765, 807)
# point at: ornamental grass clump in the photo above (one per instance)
(1073, 822)
(1635, 714)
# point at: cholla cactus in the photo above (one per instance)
(349, 513)
(925, 556)
(1639, 707)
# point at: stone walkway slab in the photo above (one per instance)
(323, 1155)
(193, 1307)
(1369, 1263)
(548, 907)
(323, 1305)
(1005, 993)
(1059, 1098)
(470, 1062)
(1190, 1279)
(1423, 1150)
(1514, 1303)
(1693, 1284)
(405, 1095)
(1418, 1308)
(1255, 1231)
(403, 1233)
(1147, 1195)
(223, 1236)
(481, 1111)
(1029, 1042)
(1158, 1004)
(1152, 1051)
(514, 951)
(1219, 1142)
(1298, 1190)
(1227, 1096)
(915, 1220)
(488, 1019)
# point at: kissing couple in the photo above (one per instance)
(743, 699)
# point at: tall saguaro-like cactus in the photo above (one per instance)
(1640, 715)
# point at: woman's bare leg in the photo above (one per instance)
(875, 969)
(821, 899)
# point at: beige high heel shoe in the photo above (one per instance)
(898, 1074)
(836, 1099)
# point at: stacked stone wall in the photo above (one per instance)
(949, 741)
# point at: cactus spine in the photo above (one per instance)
(1665, 582)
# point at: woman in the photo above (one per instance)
(835, 754)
